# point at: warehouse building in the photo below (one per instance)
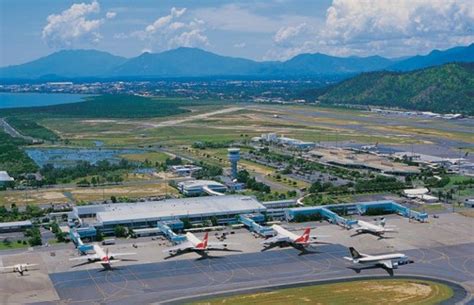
(147, 214)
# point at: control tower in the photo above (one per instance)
(234, 156)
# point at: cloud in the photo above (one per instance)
(391, 28)
(110, 15)
(72, 26)
(240, 45)
(289, 33)
(171, 31)
(164, 21)
(232, 17)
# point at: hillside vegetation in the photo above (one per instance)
(445, 89)
(105, 106)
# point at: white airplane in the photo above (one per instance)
(285, 238)
(379, 229)
(385, 261)
(20, 268)
(194, 244)
(101, 257)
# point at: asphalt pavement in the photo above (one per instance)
(176, 281)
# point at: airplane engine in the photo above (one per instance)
(405, 262)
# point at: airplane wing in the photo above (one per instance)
(315, 242)
(85, 257)
(121, 254)
(275, 239)
(218, 245)
(179, 247)
(387, 264)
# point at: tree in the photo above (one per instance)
(113, 199)
(214, 221)
(186, 223)
(120, 231)
(35, 240)
(34, 235)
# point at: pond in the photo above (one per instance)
(64, 157)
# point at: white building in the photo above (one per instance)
(184, 170)
(198, 187)
(5, 178)
(146, 214)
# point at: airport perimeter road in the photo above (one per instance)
(171, 281)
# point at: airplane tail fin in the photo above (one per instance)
(106, 258)
(203, 244)
(305, 237)
(354, 253)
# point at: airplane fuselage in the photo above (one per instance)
(395, 258)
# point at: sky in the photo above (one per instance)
(259, 30)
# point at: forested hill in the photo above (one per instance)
(444, 89)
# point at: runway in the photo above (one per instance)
(172, 280)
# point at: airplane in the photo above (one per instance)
(386, 261)
(379, 229)
(194, 244)
(101, 257)
(20, 268)
(285, 238)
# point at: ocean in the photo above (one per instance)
(13, 100)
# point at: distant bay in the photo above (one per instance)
(13, 100)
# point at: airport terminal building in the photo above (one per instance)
(147, 214)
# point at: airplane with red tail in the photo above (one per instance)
(201, 247)
(104, 258)
(285, 238)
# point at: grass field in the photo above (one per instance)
(40, 196)
(29, 127)
(150, 156)
(130, 191)
(390, 291)
(85, 194)
(12, 245)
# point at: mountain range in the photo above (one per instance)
(193, 62)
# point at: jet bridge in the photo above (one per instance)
(392, 207)
(76, 239)
(332, 212)
(166, 227)
(250, 221)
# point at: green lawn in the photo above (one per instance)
(12, 245)
(389, 291)
(150, 156)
